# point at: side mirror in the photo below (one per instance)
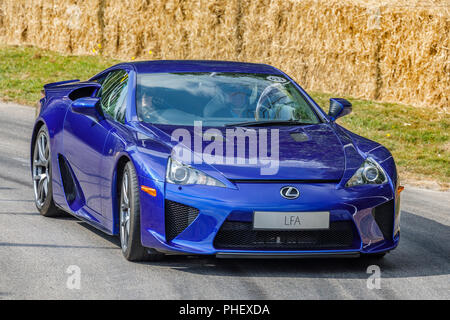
(87, 106)
(339, 108)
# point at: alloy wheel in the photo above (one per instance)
(125, 212)
(41, 166)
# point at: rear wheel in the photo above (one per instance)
(130, 226)
(42, 175)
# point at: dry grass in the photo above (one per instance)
(392, 50)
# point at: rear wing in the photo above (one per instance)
(53, 84)
(73, 89)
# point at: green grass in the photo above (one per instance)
(24, 70)
(418, 138)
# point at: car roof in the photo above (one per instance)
(162, 66)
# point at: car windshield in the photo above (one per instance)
(220, 99)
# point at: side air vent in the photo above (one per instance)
(86, 90)
(178, 218)
(72, 191)
(384, 217)
(67, 180)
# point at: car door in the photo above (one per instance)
(114, 102)
(85, 137)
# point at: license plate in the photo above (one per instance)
(270, 220)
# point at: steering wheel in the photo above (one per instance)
(260, 106)
(264, 109)
(266, 95)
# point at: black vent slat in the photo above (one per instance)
(384, 217)
(178, 218)
(241, 236)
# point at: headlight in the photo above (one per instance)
(370, 172)
(179, 173)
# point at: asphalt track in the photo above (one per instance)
(36, 252)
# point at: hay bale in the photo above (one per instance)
(390, 50)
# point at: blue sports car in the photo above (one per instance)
(212, 158)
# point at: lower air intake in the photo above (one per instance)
(241, 236)
(178, 218)
(384, 217)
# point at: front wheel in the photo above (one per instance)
(130, 226)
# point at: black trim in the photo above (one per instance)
(238, 235)
(69, 187)
(384, 217)
(286, 255)
(178, 217)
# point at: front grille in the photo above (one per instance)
(178, 218)
(241, 236)
(384, 217)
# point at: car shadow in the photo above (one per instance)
(112, 239)
(67, 216)
(424, 250)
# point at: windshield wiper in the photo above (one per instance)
(267, 123)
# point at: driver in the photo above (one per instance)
(150, 105)
(146, 101)
(229, 104)
(146, 106)
(238, 102)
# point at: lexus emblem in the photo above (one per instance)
(289, 192)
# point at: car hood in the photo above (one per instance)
(310, 153)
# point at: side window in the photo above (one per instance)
(113, 94)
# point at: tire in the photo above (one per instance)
(129, 219)
(42, 175)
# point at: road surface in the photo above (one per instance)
(37, 252)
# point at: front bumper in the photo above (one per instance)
(373, 231)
